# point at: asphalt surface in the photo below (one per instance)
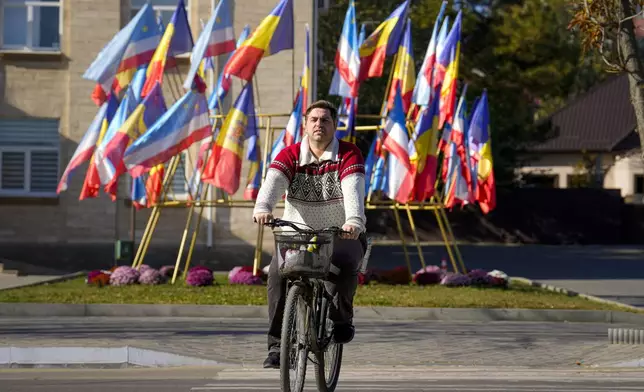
(421, 379)
(242, 342)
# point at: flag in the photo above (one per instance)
(347, 58)
(154, 184)
(106, 169)
(85, 148)
(306, 70)
(185, 123)
(132, 47)
(216, 38)
(422, 89)
(481, 148)
(404, 77)
(347, 117)
(138, 193)
(381, 43)
(138, 122)
(223, 168)
(395, 141)
(452, 52)
(274, 34)
(255, 170)
(459, 130)
(224, 82)
(177, 39)
(441, 56)
(92, 182)
(425, 158)
(369, 164)
(290, 135)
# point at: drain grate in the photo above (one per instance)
(94, 357)
(625, 336)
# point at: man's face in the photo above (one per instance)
(320, 126)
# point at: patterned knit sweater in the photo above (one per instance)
(323, 192)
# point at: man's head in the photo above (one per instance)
(320, 121)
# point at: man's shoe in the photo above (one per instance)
(272, 361)
(343, 333)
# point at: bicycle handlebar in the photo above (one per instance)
(276, 222)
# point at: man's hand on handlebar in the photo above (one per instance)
(263, 218)
(353, 232)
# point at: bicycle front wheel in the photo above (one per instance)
(328, 360)
(293, 347)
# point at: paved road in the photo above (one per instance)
(377, 343)
(376, 380)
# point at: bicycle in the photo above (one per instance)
(304, 259)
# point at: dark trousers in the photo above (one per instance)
(347, 255)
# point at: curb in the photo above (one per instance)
(361, 313)
(572, 293)
(57, 279)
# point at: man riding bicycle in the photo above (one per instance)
(324, 181)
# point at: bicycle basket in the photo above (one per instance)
(304, 255)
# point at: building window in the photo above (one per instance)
(578, 181)
(530, 180)
(638, 184)
(29, 158)
(30, 25)
(163, 8)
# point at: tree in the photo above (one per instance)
(607, 26)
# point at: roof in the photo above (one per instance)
(602, 119)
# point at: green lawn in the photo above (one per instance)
(517, 296)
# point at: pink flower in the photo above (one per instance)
(124, 275)
(245, 277)
(200, 276)
(453, 280)
(151, 276)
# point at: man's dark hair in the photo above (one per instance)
(322, 104)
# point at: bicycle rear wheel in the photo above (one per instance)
(329, 360)
(293, 346)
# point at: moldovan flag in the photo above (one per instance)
(395, 141)
(216, 38)
(185, 123)
(404, 77)
(422, 89)
(130, 48)
(426, 158)
(255, 170)
(382, 42)
(223, 169)
(274, 34)
(177, 39)
(141, 119)
(345, 81)
(481, 150)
